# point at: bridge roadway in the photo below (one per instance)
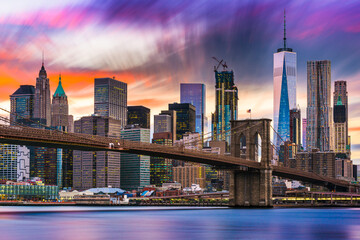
(57, 139)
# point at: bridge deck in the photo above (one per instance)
(57, 139)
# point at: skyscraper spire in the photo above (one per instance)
(284, 30)
(43, 58)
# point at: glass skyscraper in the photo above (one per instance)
(284, 73)
(135, 169)
(138, 115)
(195, 93)
(185, 118)
(226, 108)
(111, 99)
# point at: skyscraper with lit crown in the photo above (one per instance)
(284, 74)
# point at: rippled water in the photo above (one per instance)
(177, 223)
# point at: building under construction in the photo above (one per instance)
(226, 108)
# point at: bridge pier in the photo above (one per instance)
(251, 188)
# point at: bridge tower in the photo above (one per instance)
(251, 187)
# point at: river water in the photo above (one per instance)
(177, 223)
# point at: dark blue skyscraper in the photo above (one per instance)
(195, 93)
(284, 112)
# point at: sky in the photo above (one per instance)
(155, 45)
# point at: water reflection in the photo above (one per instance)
(180, 224)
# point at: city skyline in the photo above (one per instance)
(175, 49)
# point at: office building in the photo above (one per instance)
(295, 126)
(185, 118)
(42, 108)
(195, 94)
(135, 169)
(322, 163)
(319, 131)
(304, 125)
(161, 168)
(138, 115)
(188, 175)
(61, 120)
(226, 106)
(344, 169)
(162, 123)
(341, 129)
(111, 99)
(100, 168)
(166, 122)
(22, 103)
(15, 159)
(285, 77)
(340, 137)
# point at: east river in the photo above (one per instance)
(177, 223)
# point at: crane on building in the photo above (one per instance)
(219, 63)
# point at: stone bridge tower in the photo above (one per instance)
(250, 139)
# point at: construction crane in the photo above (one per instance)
(220, 63)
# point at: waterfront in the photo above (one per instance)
(177, 223)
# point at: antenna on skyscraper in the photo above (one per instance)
(43, 58)
(284, 30)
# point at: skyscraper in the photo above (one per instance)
(284, 73)
(185, 118)
(304, 126)
(195, 93)
(61, 120)
(295, 126)
(100, 168)
(161, 168)
(111, 99)
(135, 169)
(319, 111)
(340, 136)
(15, 160)
(22, 104)
(42, 109)
(138, 115)
(60, 109)
(162, 123)
(226, 107)
(340, 90)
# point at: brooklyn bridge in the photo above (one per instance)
(250, 179)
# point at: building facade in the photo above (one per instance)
(226, 106)
(185, 118)
(161, 168)
(340, 137)
(111, 99)
(42, 108)
(304, 126)
(188, 175)
(135, 169)
(160, 125)
(195, 94)
(138, 115)
(100, 168)
(341, 123)
(295, 126)
(322, 163)
(285, 77)
(61, 120)
(319, 131)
